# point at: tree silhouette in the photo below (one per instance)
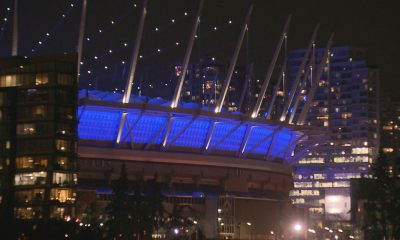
(136, 209)
(381, 218)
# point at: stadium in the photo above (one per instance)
(230, 168)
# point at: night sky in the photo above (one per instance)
(372, 25)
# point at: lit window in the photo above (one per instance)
(387, 150)
(8, 144)
(8, 81)
(29, 196)
(387, 127)
(34, 178)
(28, 212)
(298, 201)
(63, 179)
(26, 129)
(63, 195)
(346, 115)
(31, 162)
(39, 111)
(42, 78)
(62, 145)
(361, 150)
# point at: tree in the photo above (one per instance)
(382, 202)
(177, 224)
(136, 208)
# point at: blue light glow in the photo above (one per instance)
(102, 123)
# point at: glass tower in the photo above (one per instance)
(346, 107)
(38, 133)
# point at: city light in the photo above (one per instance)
(297, 227)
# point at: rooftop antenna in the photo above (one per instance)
(15, 30)
(81, 35)
(189, 48)
(311, 93)
(135, 54)
(232, 64)
(292, 92)
(271, 67)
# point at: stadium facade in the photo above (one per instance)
(231, 168)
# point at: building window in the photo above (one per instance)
(66, 113)
(63, 195)
(361, 150)
(42, 78)
(29, 196)
(28, 213)
(62, 163)
(64, 129)
(26, 129)
(387, 150)
(64, 79)
(63, 145)
(8, 144)
(31, 162)
(63, 179)
(8, 81)
(34, 178)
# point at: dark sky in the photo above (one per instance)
(372, 25)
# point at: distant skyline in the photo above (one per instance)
(371, 25)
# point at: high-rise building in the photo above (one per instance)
(204, 81)
(346, 106)
(38, 137)
(390, 126)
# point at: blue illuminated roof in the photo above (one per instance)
(156, 127)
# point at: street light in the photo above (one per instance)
(249, 224)
(297, 227)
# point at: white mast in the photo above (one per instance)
(264, 87)
(81, 36)
(15, 30)
(189, 48)
(232, 64)
(135, 54)
(295, 84)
